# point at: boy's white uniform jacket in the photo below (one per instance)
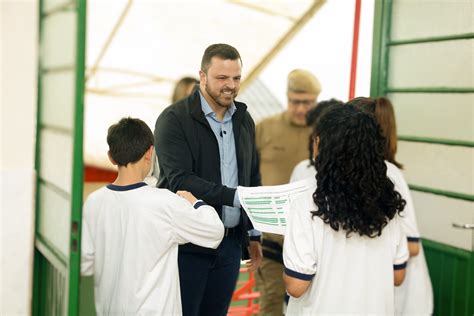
(130, 238)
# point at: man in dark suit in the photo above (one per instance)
(206, 145)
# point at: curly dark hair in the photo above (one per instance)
(383, 111)
(353, 191)
(314, 115)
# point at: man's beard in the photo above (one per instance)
(215, 97)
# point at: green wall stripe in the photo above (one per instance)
(465, 36)
(56, 69)
(51, 253)
(429, 90)
(58, 129)
(449, 194)
(438, 141)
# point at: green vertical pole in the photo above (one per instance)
(376, 68)
(37, 257)
(387, 28)
(78, 165)
(380, 52)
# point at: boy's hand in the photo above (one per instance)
(187, 196)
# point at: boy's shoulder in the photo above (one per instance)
(163, 197)
(97, 195)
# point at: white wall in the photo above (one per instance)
(324, 47)
(18, 108)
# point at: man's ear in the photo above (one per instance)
(202, 76)
(111, 159)
(149, 153)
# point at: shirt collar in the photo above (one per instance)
(206, 108)
(133, 186)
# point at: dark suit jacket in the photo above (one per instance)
(188, 155)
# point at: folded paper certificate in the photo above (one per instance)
(268, 206)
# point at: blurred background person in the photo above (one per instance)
(281, 143)
(183, 88)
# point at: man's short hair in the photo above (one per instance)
(302, 81)
(128, 140)
(223, 51)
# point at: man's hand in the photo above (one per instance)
(255, 251)
(187, 196)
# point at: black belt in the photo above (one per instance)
(230, 231)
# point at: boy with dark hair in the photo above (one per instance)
(131, 231)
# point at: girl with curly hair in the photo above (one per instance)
(415, 295)
(305, 169)
(344, 249)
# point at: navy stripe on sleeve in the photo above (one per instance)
(199, 203)
(413, 239)
(400, 266)
(298, 275)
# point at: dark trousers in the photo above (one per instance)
(208, 281)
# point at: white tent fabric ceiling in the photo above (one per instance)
(138, 49)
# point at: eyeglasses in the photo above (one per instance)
(305, 102)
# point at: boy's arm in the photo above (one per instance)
(87, 250)
(197, 223)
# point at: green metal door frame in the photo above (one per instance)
(49, 262)
(379, 82)
(451, 269)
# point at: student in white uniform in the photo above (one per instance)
(131, 231)
(344, 249)
(415, 295)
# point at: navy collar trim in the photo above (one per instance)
(114, 187)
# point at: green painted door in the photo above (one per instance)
(423, 61)
(59, 162)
